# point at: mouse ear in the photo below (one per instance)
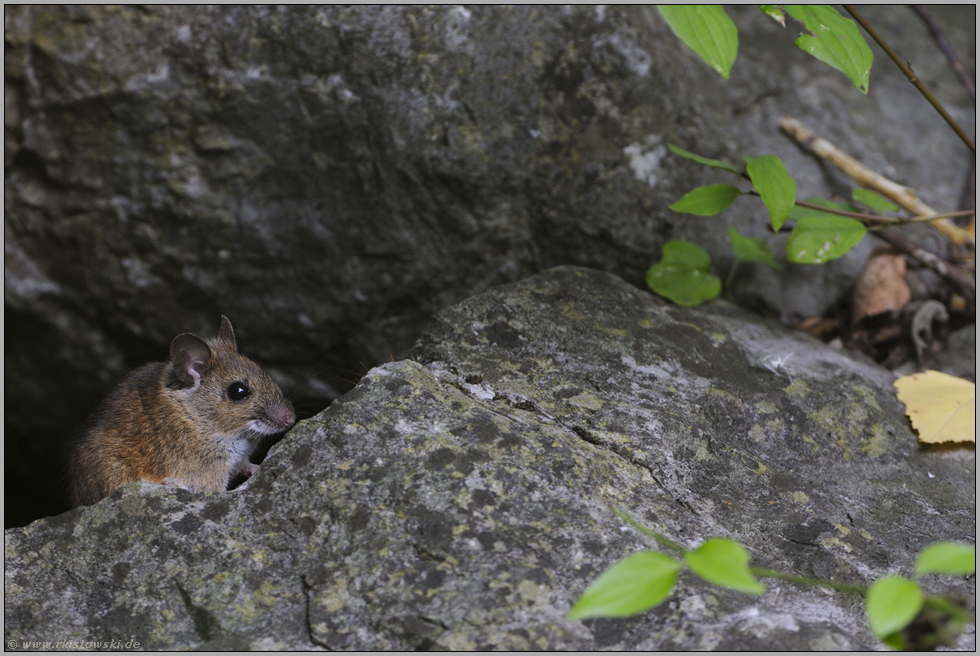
(226, 333)
(190, 355)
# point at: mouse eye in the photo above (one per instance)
(238, 391)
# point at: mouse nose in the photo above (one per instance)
(282, 413)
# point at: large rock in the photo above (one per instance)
(462, 499)
(328, 177)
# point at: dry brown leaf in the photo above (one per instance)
(881, 288)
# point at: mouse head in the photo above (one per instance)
(229, 393)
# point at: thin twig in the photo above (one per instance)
(937, 34)
(808, 581)
(667, 542)
(874, 218)
(913, 78)
(865, 177)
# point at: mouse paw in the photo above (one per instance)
(248, 468)
(176, 482)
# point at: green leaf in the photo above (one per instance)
(682, 275)
(748, 249)
(725, 563)
(895, 640)
(819, 239)
(835, 40)
(891, 604)
(717, 163)
(775, 13)
(873, 200)
(707, 30)
(947, 558)
(632, 585)
(778, 190)
(707, 201)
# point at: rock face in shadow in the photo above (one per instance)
(328, 177)
(462, 498)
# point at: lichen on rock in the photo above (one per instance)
(461, 498)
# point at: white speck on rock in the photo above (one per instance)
(480, 392)
(645, 163)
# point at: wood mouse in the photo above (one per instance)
(192, 422)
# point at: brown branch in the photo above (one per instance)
(937, 34)
(913, 78)
(865, 177)
(874, 218)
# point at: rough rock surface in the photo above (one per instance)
(328, 177)
(461, 499)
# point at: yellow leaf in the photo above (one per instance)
(942, 408)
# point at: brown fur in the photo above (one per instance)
(176, 423)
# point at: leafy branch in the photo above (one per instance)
(831, 38)
(893, 604)
(683, 274)
(823, 230)
(865, 177)
(913, 78)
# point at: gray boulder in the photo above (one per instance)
(462, 499)
(328, 177)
